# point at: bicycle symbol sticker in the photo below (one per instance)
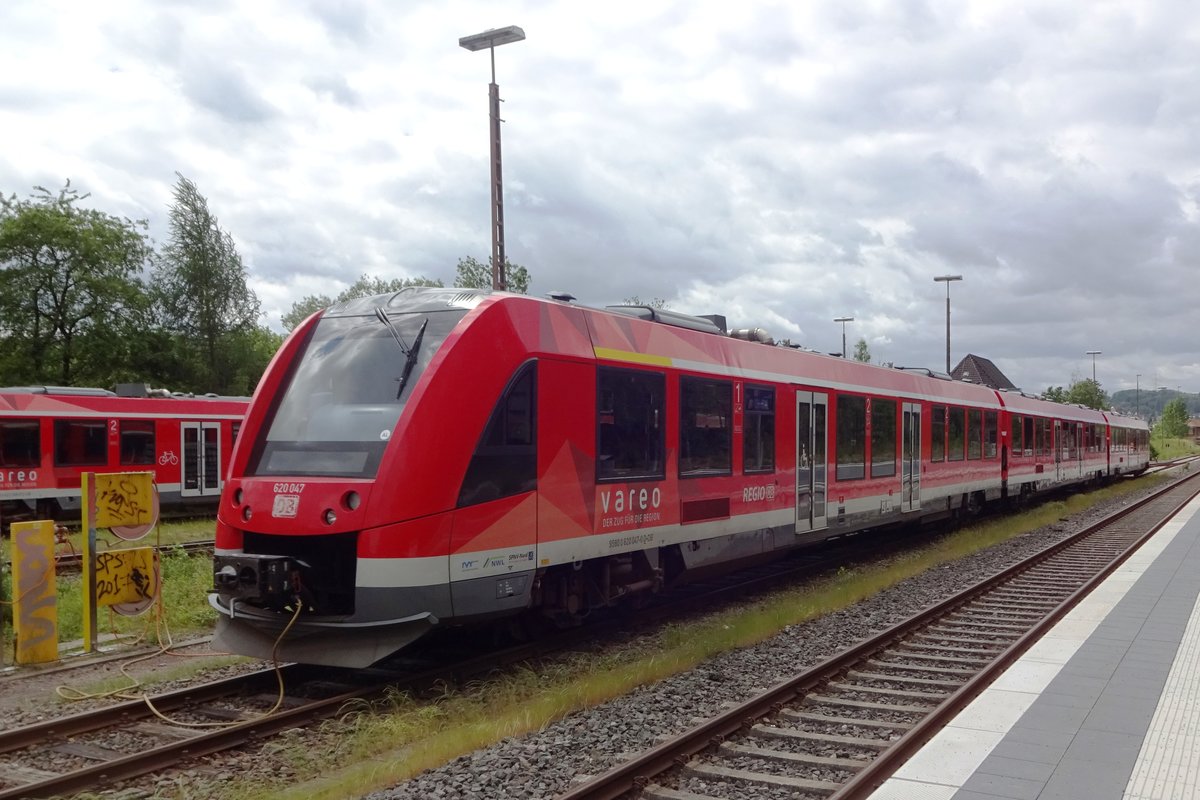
(168, 457)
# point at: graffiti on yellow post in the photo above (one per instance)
(35, 601)
(124, 498)
(126, 577)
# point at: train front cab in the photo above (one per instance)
(337, 497)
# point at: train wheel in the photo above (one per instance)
(48, 508)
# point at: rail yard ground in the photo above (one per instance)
(186, 579)
(374, 747)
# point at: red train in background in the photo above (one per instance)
(444, 456)
(50, 435)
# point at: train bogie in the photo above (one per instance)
(438, 457)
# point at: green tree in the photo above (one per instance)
(365, 286)
(862, 352)
(1174, 421)
(472, 274)
(70, 294)
(200, 285)
(1055, 394)
(1087, 392)
(247, 353)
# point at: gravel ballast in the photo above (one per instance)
(548, 762)
(587, 743)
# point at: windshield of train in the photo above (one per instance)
(346, 393)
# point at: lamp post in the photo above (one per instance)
(843, 320)
(1093, 354)
(947, 279)
(1137, 395)
(491, 39)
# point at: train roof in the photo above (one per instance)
(82, 401)
(412, 299)
(123, 390)
(642, 334)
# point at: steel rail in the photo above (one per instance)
(241, 733)
(636, 773)
(869, 778)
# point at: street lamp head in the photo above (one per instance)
(493, 37)
(1093, 352)
(843, 319)
(948, 278)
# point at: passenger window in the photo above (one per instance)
(505, 460)
(758, 424)
(1030, 438)
(80, 443)
(957, 432)
(851, 437)
(629, 425)
(1015, 446)
(137, 442)
(974, 431)
(937, 448)
(989, 434)
(705, 427)
(883, 438)
(20, 443)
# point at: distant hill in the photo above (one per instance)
(1149, 403)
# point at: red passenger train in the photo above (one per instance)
(50, 435)
(443, 456)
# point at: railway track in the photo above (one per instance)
(1163, 466)
(73, 562)
(75, 753)
(842, 727)
(130, 739)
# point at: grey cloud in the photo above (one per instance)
(345, 19)
(226, 92)
(336, 88)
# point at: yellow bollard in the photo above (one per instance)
(35, 597)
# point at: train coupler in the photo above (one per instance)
(263, 580)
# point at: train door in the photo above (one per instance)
(910, 433)
(1059, 449)
(200, 467)
(1080, 450)
(811, 469)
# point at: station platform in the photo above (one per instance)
(1106, 706)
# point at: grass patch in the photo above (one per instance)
(396, 739)
(1169, 448)
(185, 583)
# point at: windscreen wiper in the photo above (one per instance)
(412, 358)
(391, 326)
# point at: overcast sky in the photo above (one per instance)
(780, 163)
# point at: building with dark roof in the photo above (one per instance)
(977, 369)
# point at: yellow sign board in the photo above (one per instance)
(126, 576)
(35, 598)
(124, 498)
